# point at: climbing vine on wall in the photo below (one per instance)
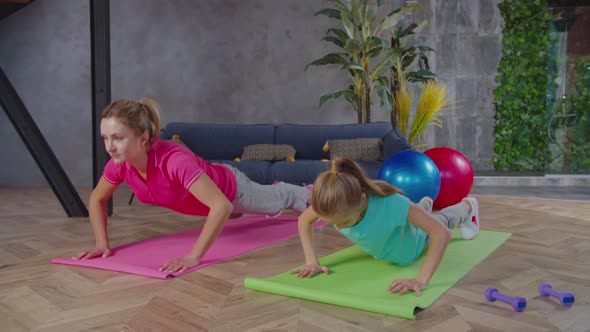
(520, 98)
(577, 153)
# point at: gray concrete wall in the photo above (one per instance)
(467, 37)
(226, 61)
(45, 52)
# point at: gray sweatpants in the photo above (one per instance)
(453, 215)
(252, 197)
(450, 216)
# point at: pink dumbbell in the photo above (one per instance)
(565, 298)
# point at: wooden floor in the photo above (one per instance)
(550, 243)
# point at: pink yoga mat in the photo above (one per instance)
(238, 236)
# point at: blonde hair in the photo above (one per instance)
(139, 116)
(340, 187)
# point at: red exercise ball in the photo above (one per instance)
(456, 175)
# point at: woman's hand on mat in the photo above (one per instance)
(180, 264)
(93, 253)
(402, 286)
(310, 270)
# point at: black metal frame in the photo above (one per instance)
(100, 41)
(101, 97)
(40, 150)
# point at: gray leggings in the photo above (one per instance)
(453, 215)
(252, 197)
(450, 216)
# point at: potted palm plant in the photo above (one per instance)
(383, 64)
(364, 53)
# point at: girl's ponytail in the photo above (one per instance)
(376, 187)
(341, 186)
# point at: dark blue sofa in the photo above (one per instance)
(221, 143)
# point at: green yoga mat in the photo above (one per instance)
(358, 281)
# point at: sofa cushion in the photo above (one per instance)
(219, 141)
(394, 142)
(356, 148)
(306, 171)
(298, 172)
(308, 140)
(371, 167)
(271, 152)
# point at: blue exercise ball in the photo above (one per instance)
(414, 173)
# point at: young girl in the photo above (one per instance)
(376, 216)
(168, 174)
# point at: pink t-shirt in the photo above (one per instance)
(171, 169)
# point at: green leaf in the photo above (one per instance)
(391, 21)
(423, 74)
(339, 33)
(356, 67)
(385, 96)
(348, 24)
(423, 62)
(383, 81)
(421, 26)
(332, 13)
(335, 40)
(353, 47)
(395, 17)
(355, 9)
(379, 42)
(344, 10)
(331, 58)
(407, 31)
(352, 99)
(369, 11)
(336, 94)
(386, 63)
(424, 48)
(377, 45)
(374, 52)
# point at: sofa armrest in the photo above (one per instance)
(394, 142)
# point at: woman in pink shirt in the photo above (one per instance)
(168, 174)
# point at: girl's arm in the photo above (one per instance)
(312, 265)
(97, 212)
(439, 239)
(206, 191)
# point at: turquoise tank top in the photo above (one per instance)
(385, 232)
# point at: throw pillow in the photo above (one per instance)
(356, 149)
(271, 152)
(176, 138)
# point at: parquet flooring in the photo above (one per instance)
(550, 243)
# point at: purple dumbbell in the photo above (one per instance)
(565, 298)
(517, 302)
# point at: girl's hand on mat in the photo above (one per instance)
(310, 270)
(402, 286)
(93, 253)
(180, 264)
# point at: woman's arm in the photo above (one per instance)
(97, 212)
(439, 239)
(312, 265)
(206, 191)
